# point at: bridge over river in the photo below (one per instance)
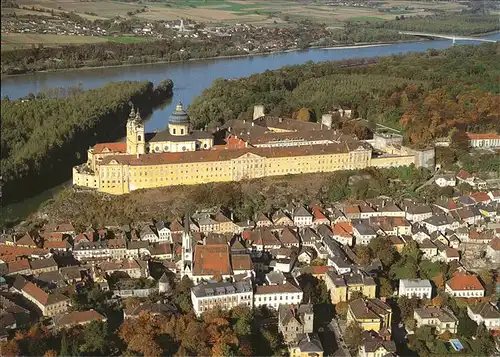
(449, 37)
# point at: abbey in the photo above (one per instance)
(264, 146)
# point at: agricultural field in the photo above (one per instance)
(257, 12)
(14, 41)
(19, 40)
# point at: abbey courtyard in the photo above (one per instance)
(240, 149)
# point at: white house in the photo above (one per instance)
(485, 313)
(486, 140)
(273, 296)
(442, 319)
(446, 180)
(148, 234)
(420, 288)
(464, 285)
(164, 233)
(225, 295)
(302, 217)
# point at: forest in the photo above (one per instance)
(44, 136)
(383, 31)
(425, 94)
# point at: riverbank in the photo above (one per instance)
(77, 121)
(340, 47)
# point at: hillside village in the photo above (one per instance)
(390, 269)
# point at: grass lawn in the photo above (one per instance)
(128, 39)
(22, 40)
(366, 19)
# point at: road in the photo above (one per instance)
(342, 350)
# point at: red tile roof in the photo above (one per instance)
(110, 147)
(226, 155)
(345, 226)
(318, 215)
(26, 240)
(11, 252)
(241, 262)
(483, 136)
(211, 260)
(19, 265)
(464, 175)
(452, 252)
(289, 236)
(319, 269)
(463, 281)
(56, 245)
(480, 196)
(37, 293)
(495, 244)
(80, 317)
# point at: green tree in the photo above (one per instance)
(182, 294)
(363, 254)
(407, 306)
(96, 339)
(353, 336)
(383, 249)
(385, 287)
(65, 351)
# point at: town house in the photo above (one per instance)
(420, 288)
(370, 314)
(464, 285)
(485, 313)
(441, 319)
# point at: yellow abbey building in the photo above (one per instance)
(266, 146)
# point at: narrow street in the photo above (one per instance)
(342, 350)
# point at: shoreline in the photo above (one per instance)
(360, 45)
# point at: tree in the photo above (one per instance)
(182, 294)
(407, 306)
(96, 338)
(488, 279)
(356, 295)
(445, 336)
(383, 249)
(10, 348)
(411, 251)
(410, 324)
(304, 114)
(341, 309)
(65, 351)
(363, 254)
(385, 287)
(466, 326)
(272, 338)
(424, 333)
(50, 353)
(353, 336)
(244, 320)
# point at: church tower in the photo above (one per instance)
(178, 123)
(135, 133)
(187, 250)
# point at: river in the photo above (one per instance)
(190, 79)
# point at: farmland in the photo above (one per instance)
(255, 12)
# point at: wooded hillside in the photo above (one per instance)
(44, 136)
(425, 94)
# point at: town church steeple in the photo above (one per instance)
(187, 250)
